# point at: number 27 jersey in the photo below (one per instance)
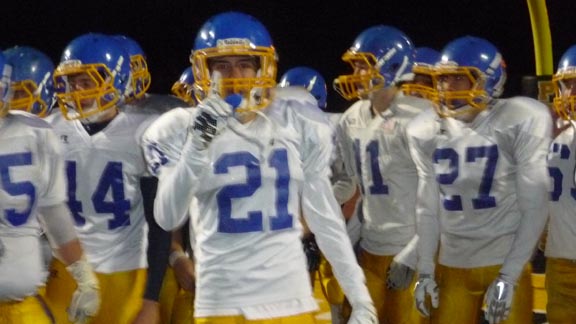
(490, 174)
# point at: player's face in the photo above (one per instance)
(423, 80)
(454, 82)
(82, 82)
(235, 66)
(569, 87)
(362, 68)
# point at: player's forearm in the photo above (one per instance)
(428, 224)
(57, 223)
(533, 206)
(408, 255)
(326, 222)
(176, 188)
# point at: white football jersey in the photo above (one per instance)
(153, 103)
(483, 188)
(375, 152)
(259, 176)
(561, 239)
(104, 195)
(31, 176)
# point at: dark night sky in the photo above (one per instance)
(313, 32)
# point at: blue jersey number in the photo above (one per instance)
(378, 186)
(17, 188)
(111, 181)
(490, 154)
(253, 223)
(556, 174)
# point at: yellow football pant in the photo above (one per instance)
(462, 295)
(121, 294)
(392, 306)
(32, 310)
(176, 304)
(561, 290)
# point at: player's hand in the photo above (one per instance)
(399, 277)
(426, 286)
(498, 300)
(212, 115)
(149, 313)
(363, 313)
(86, 299)
(184, 272)
(210, 120)
(312, 252)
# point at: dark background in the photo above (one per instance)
(314, 33)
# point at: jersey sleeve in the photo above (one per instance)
(51, 158)
(177, 186)
(427, 205)
(345, 183)
(323, 215)
(532, 182)
(164, 139)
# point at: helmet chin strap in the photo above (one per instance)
(95, 118)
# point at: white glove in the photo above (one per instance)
(426, 286)
(363, 313)
(86, 299)
(498, 300)
(210, 120)
(399, 276)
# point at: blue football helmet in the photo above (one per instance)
(106, 65)
(380, 56)
(481, 63)
(183, 88)
(140, 79)
(420, 82)
(308, 78)
(32, 84)
(236, 34)
(5, 72)
(564, 82)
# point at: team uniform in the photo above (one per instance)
(376, 154)
(249, 260)
(32, 177)
(561, 239)
(482, 198)
(104, 172)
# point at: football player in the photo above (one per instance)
(483, 189)
(104, 167)
(254, 162)
(373, 145)
(32, 192)
(32, 83)
(561, 239)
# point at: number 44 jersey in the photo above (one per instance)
(483, 184)
(104, 196)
